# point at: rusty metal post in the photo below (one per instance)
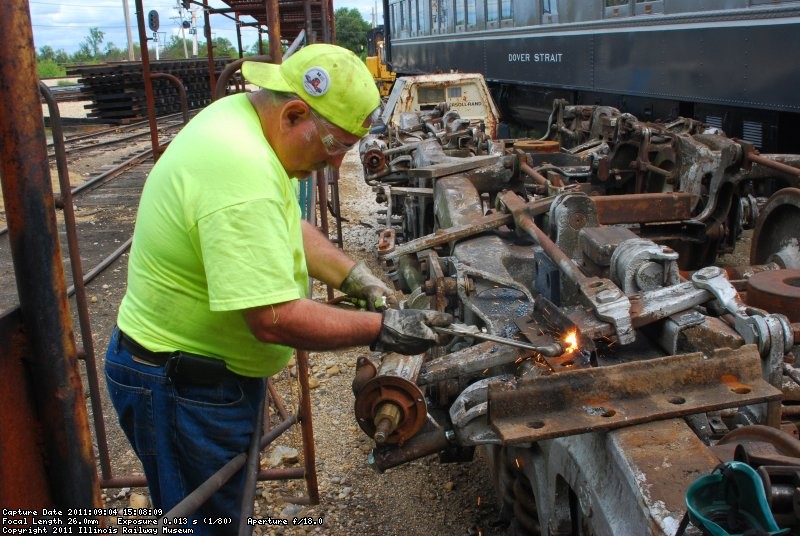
(274, 24)
(148, 83)
(77, 277)
(239, 35)
(54, 385)
(212, 75)
(306, 429)
(328, 24)
(308, 23)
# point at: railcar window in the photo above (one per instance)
(492, 11)
(549, 11)
(413, 17)
(423, 17)
(439, 9)
(471, 13)
(506, 11)
(612, 3)
(460, 13)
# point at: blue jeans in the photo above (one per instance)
(183, 434)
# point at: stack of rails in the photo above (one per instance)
(117, 94)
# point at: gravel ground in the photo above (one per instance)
(422, 497)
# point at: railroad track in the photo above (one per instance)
(104, 202)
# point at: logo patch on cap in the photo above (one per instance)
(316, 81)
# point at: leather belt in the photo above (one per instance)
(181, 367)
(158, 359)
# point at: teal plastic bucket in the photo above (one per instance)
(730, 502)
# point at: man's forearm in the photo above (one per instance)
(324, 260)
(308, 325)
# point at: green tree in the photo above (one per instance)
(222, 48)
(351, 30)
(173, 49)
(94, 40)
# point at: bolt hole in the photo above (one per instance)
(677, 400)
(607, 412)
(536, 424)
(596, 284)
(792, 281)
(741, 389)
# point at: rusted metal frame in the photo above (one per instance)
(328, 22)
(604, 398)
(224, 77)
(306, 428)
(752, 156)
(148, 83)
(239, 36)
(88, 353)
(276, 399)
(334, 206)
(643, 208)
(309, 26)
(251, 472)
(321, 179)
(212, 83)
(181, 92)
(53, 379)
(274, 29)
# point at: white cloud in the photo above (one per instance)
(65, 25)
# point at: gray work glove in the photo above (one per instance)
(362, 284)
(408, 331)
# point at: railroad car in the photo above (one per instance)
(728, 63)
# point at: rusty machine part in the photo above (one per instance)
(389, 406)
(776, 291)
(582, 252)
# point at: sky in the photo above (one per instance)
(65, 24)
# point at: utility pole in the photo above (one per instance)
(194, 32)
(128, 29)
(183, 29)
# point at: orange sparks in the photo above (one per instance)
(479, 500)
(571, 341)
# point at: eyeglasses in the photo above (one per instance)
(333, 146)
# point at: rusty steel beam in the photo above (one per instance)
(50, 388)
(605, 398)
(643, 208)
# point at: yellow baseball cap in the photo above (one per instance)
(331, 79)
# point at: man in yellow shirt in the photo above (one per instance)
(219, 267)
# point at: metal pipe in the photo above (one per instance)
(54, 381)
(251, 473)
(772, 164)
(148, 83)
(525, 223)
(181, 92)
(210, 46)
(77, 277)
(306, 429)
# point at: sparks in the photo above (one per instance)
(516, 461)
(479, 500)
(571, 341)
